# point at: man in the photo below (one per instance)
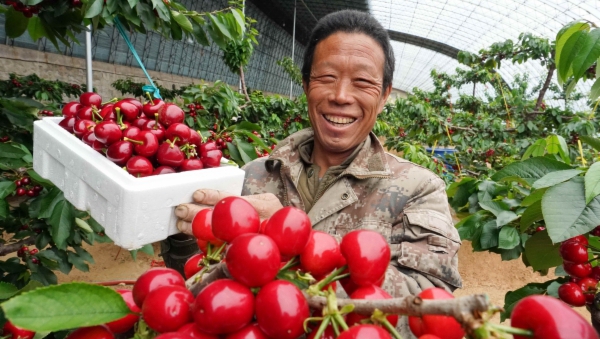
(338, 171)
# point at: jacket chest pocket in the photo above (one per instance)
(342, 225)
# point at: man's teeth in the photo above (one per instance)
(339, 120)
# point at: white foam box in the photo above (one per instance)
(134, 211)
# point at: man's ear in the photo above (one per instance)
(384, 97)
(305, 86)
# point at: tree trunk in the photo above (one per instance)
(243, 80)
(7, 249)
(545, 87)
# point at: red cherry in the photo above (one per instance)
(67, 123)
(212, 158)
(131, 132)
(21, 191)
(193, 265)
(171, 114)
(180, 132)
(127, 322)
(169, 155)
(572, 294)
(577, 270)
(85, 113)
(140, 122)
(95, 332)
(70, 109)
(139, 166)
(150, 109)
(16, 332)
(90, 99)
(108, 132)
(129, 111)
(153, 279)
(81, 127)
(146, 144)
(574, 252)
(167, 308)
(120, 152)
(163, 170)
(191, 165)
(107, 113)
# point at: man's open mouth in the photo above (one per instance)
(339, 121)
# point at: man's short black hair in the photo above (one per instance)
(350, 21)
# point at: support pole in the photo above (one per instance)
(293, 48)
(88, 59)
(243, 11)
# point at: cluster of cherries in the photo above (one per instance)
(16, 83)
(583, 284)
(46, 113)
(193, 108)
(24, 251)
(147, 139)
(28, 11)
(287, 122)
(26, 187)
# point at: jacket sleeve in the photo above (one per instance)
(425, 243)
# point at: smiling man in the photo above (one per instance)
(338, 172)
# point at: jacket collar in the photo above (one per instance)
(369, 162)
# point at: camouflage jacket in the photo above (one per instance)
(404, 202)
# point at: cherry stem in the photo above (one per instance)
(322, 327)
(97, 114)
(119, 118)
(593, 247)
(150, 97)
(109, 101)
(137, 142)
(390, 328)
(289, 264)
(511, 330)
(218, 251)
(331, 277)
(336, 328)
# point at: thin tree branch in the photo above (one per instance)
(9, 248)
(243, 80)
(546, 85)
(200, 280)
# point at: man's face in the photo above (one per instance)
(345, 91)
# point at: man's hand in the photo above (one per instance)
(265, 204)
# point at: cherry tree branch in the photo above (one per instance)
(9, 248)
(465, 310)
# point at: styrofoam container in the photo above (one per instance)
(134, 211)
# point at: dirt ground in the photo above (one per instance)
(482, 272)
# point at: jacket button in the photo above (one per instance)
(310, 172)
(345, 196)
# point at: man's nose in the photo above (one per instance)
(342, 93)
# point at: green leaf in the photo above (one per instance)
(199, 34)
(239, 18)
(570, 87)
(565, 211)
(570, 50)
(508, 238)
(3, 209)
(496, 207)
(78, 262)
(532, 214)
(531, 169)
(219, 26)
(83, 225)
(132, 3)
(7, 290)
(16, 23)
(49, 201)
(537, 149)
(60, 257)
(247, 126)
(35, 28)
(506, 217)
(511, 298)
(588, 54)
(61, 221)
(489, 235)
(533, 197)
(37, 178)
(468, 226)
(592, 182)
(182, 21)
(65, 306)
(12, 151)
(234, 153)
(541, 253)
(163, 11)
(554, 178)
(552, 289)
(451, 190)
(94, 8)
(6, 188)
(461, 197)
(595, 90)
(595, 143)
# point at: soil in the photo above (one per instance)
(482, 272)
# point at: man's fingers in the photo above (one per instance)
(186, 212)
(209, 196)
(184, 227)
